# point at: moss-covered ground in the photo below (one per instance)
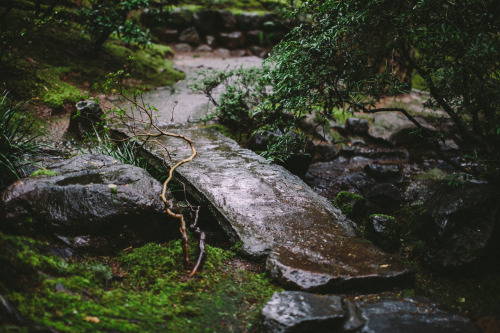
(143, 290)
(56, 65)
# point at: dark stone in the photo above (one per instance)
(190, 36)
(384, 194)
(85, 118)
(272, 38)
(325, 151)
(259, 140)
(411, 315)
(258, 51)
(466, 224)
(254, 37)
(270, 22)
(205, 21)
(232, 40)
(166, 35)
(354, 320)
(351, 204)
(357, 125)
(295, 311)
(383, 231)
(382, 172)
(311, 245)
(248, 21)
(226, 20)
(179, 18)
(94, 197)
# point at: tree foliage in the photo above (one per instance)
(356, 52)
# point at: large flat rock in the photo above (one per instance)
(309, 244)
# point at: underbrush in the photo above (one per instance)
(141, 290)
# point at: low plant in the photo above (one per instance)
(16, 138)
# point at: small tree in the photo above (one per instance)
(356, 52)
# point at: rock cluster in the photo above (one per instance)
(295, 311)
(216, 28)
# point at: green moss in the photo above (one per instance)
(56, 93)
(150, 66)
(142, 291)
(351, 204)
(43, 172)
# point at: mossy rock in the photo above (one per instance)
(352, 205)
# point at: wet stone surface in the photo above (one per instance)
(310, 245)
(92, 202)
(304, 312)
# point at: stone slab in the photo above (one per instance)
(310, 245)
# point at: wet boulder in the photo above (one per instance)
(291, 311)
(92, 200)
(465, 221)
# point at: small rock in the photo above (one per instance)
(382, 172)
(210, 40)
(357, 125)
(222, 52)
(384, 194)
(85, 118)
(295, 311)
(183, 47)
(190, 36)
(203, 48)
(166, 35)
(232, 40)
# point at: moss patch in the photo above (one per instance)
(142, 291)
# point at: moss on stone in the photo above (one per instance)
(44, 172)
(350, 204)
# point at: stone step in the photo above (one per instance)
(308, 243)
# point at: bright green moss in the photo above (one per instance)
(142, 291)
(44, 172)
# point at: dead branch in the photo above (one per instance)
(148, 134)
